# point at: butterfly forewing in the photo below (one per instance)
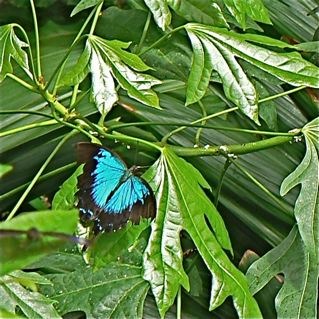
(109, 194)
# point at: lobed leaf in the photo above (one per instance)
(115, 291)
(289, 67)
(182, 204)
(307, 204)
(297, 297)
(11, 47)
(237, 86)
(163, 256)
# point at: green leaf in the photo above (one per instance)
(312, 46)
(289, 67)
(241, 9)
(84, 4)
(307, 204)
(4, 169)
(298, 296)
(108, 60)
(201, 11)
(28, 279)
(64, 199)
(31, 303)
(11, 47)
(115, 291)
(237, 86)
(182, 204)
(103, 87)
(200, 72)
(31, 249)
(267, 109)
(80, 71)
(161, 13)
(108, 247)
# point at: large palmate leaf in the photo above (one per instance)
(307, 204)
(237, 86)
(107, 60)
(221, 48)
(182, 204)
(115, 291)
(11, 47)
(298, 296)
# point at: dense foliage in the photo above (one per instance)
(218, 100)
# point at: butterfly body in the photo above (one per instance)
(109, 193)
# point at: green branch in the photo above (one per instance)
(23, 83)
(235, 149)
(28, 127)
(37, 41)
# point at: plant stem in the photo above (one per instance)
(269, 98)
(163, 38)
(236, 149)
(37, 41)
(38, 174)
(28, 127)
(167, 136)
(52, 100)
(74, 94)
(23, 83)
(131, 140)
(42, 178)
(146, 26)
(199, 131)
(61, 65)
(179, 304)
(96, 16)
(220, 182)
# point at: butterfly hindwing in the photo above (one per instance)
(110, 194)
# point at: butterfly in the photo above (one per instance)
(110, 194)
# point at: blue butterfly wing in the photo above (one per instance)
(128, 194)
(109, 194)
(108, 172)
